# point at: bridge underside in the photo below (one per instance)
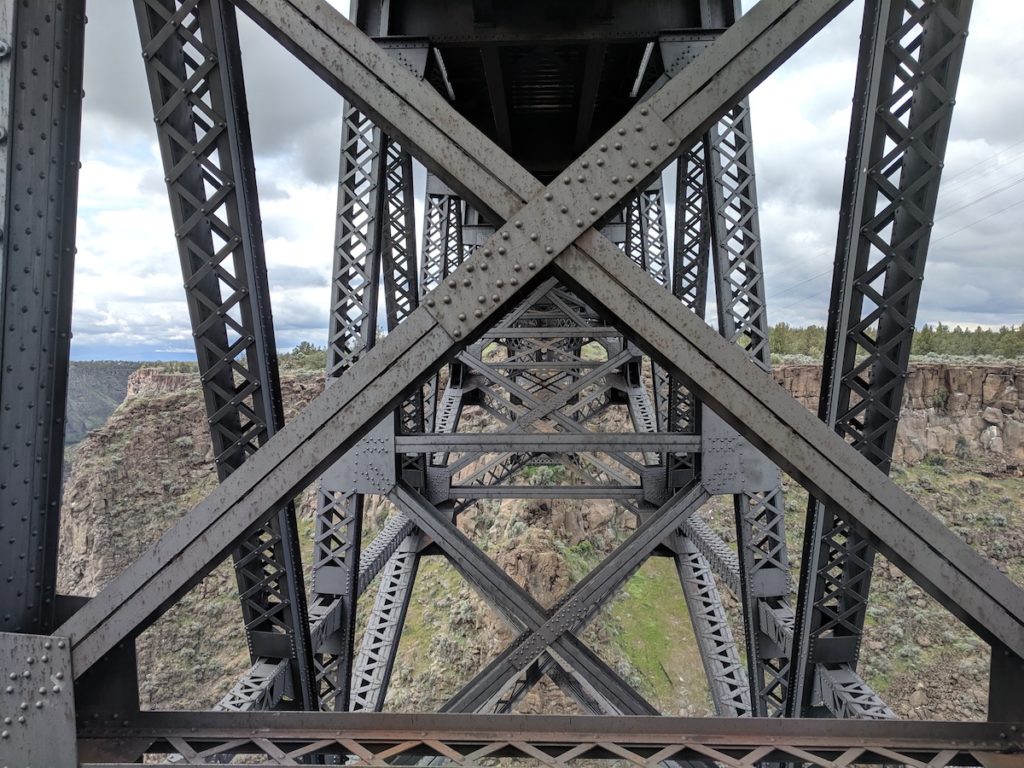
(547, 294)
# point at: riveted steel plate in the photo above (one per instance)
(369, 467)
(729, 463)
(678, 50)
(37, 702)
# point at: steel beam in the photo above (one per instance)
(374, 739)
(549, 442)
(907, 75)
(41, 51)
(194, 71)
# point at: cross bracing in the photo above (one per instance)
(543, 293)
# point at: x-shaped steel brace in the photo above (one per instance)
(544, 629)
(599, 683)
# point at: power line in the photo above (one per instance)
(975, 223)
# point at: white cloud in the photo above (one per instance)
(128, 282)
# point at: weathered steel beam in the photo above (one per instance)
(372, 738)
(40, 119)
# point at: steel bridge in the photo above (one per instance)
(545, 293)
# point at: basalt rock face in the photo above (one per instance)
(959, 410)
(133, 477)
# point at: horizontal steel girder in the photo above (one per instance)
(714, 369)
(373, 738)
(548, 442)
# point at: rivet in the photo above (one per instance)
(593, 211)
(548, 196)
(452, 283)
(618, 145)
(581, 178)
(597, 195)
(585, 164)
(470, 268)
(564, 209)
(495, 298)
(430, 302)
(638, 128)
(632, 163)
(643, 111)
(549, 249)
(481, 299)
(615, 179)
(611, 194)
(654, 145)
(517, 268)
(483, 267)
(603, 147)
(467, 282)
(462, 315)
(579, 223)
(600, 162)
(647, 161)
(478, 313)
(531, 266)
(519, 225)
(457, 333)
(629, 179)
(501, 251)
(533, 236)
(621, 132)
(500, 283)
(513, 281)
(566, 180)
(487, 252)
(30, 660)
(671, 142)
(9, 689)
(447, 299)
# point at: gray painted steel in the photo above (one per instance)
(520, 283)
(40, 125)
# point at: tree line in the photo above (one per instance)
(939, 340)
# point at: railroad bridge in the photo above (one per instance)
(544, 292)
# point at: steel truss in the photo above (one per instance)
(516, 280)
(195, 80)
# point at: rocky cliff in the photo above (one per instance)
(958, 450)
(95, 389)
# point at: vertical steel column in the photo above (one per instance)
(353, 326)
(374, 662)
(41, 49)
(195, 79)
(909, 65)
(442, 252)
(646, 245)
(742, 318)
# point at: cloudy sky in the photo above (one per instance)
(129, 303)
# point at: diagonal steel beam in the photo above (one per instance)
(963, 581)
(330, 426)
